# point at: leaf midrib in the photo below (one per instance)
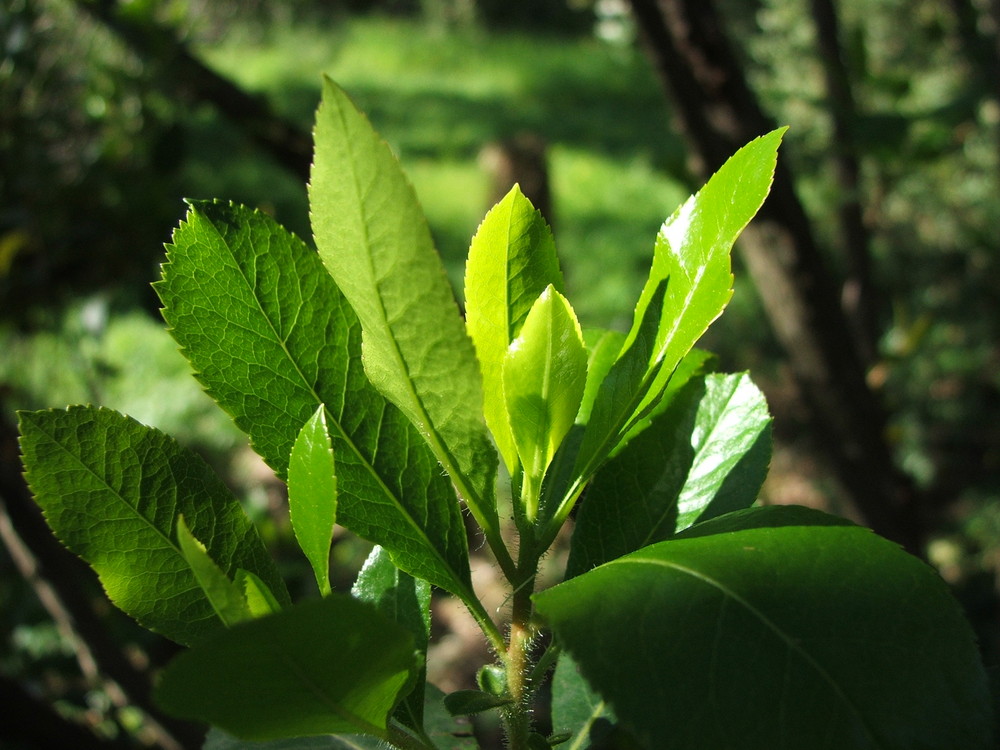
(788, 640)
(318, 400)
(429, 429)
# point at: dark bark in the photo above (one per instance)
(188, 79)
(59, 579)
(718, 113)
(858, 295)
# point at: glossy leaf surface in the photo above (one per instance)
(272, 338)
(112, 490)
(789, 633)
(512, 259)
(705, 455)
(373, 239)
(544, 374)
(693, 250)
(312, 495)
(326, 666)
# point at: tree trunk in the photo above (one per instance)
(719, 113)
(858, 296)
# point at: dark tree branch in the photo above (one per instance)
(191, 81)
(719, 113)
(858, 296)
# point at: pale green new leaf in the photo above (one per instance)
(544, 375)
(706, 454)
(312, 495)
(325, 666)
(693, 251)
(272, 338)
(112, 490)
(603, 348)
(786, 628)
(226, 597)
(512, 259)
(374, 240)
(258, 596)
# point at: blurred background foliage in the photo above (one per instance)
(99, 145)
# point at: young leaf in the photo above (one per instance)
(512, 259)
(325, 666)
(258, 596)
(271, 338)
(312, 495)
(373, 239)
(705, 455)
(799, 630)
(226, 597)
(544, 373)
(112, 491)
(469, 702)
(692, 250)
(406, 601)
(603, 348)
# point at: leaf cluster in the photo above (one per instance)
(688, 618)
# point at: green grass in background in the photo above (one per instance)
(439, 97)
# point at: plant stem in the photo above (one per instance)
(518, 661)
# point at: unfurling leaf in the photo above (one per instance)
(312, 495)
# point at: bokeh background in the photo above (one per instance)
(866, 297)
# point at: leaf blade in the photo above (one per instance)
(271, 337)
(325, 666)
(512, 259)
(312, 495)
(112, 491)
(374, 240)
(797, 630)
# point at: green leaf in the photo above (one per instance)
(469, 702)
(226, 597)
(406, 601)
(544, 374)
(373, 239)
(512, 259)
(706, 454)
(271, 339)
(258, 596)
(576, 707)
(326, 666)
(693, 251)
(603, 348)
(312, 495)
(219, 740)
(797, 631)
(112, 491)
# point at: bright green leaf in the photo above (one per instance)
(603, 348)
(544, 374)
(112, 491)
(512, 259)
(373, 239)
(271, 338)
(325, 666)
(226, 597)
(706, 454)
(693, 251)
(258, 596)
(800, 631)
(312, 495)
